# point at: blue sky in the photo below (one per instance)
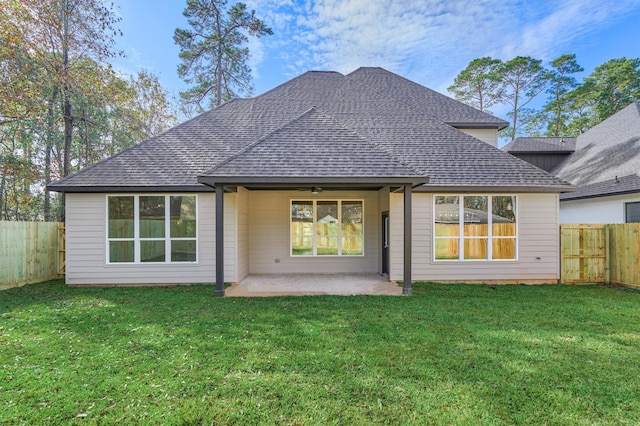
(427, 41)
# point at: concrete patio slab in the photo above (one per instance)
(267, 285)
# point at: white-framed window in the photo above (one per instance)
(475, 227)
(327, 228)
(152, 228)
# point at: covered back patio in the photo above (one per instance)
(267, 265)
(268, 285)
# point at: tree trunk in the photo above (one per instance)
(68, 133)
(219, 82)
(219, 63)
(47, 154)
(515, 113)
(2, 197)
(66, 109)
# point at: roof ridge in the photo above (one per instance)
(294, 79)
(417, 110)
(373, 144)
(336, 122)
(259, 140)
(413, 108)
(434, 92)
(387, 96)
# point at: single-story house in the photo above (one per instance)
(604, 164)
(247, 188)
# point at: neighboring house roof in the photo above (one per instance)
(284, 135)
(541, 145)
(610, 149)
(616, 186)
(450, 213)
(328, 219)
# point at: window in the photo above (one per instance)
(475, 227)
(326, 228)
(632, 212)
(151, 229)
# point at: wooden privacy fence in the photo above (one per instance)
(30, 252)
(600, 254)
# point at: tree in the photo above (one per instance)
(213, 52)
(562, 82)
(523, 79)
(478, 84)
(62, 106)
(150, 107)
(579, 104)
(74, 30)
(614, 85)
(19, 74)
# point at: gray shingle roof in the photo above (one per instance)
(610, 149)
(310, 143)
(376, 135)
(615, 186)
(541, 145)
(424, 99)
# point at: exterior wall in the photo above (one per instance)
(86, 247)
(257, 240)
(544, 161)
(489, 136)
(596, 210)
(242, 234)
(230, 227)
(269, 235)
(538, 244)
(383, 206)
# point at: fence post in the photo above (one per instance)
(607, 254)
(561, 255)
(62, 250)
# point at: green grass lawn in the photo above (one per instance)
(450, 354)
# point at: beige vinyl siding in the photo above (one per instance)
(242, 234)
(383, 206)
(86, 261)
(383, 200)
(489, 136)
(230, 226)
(269, 235)
(538, 225)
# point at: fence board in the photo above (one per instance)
(600, 254)
(29, 252)
(583, 250)
(625, 254)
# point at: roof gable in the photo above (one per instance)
(310, 146)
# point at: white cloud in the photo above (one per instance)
(566, 22)
(429, 41)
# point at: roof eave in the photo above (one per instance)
(133, 188)
(480, 125)
(293, 181)
(496, 188)
(567, 152)
(604, 194)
